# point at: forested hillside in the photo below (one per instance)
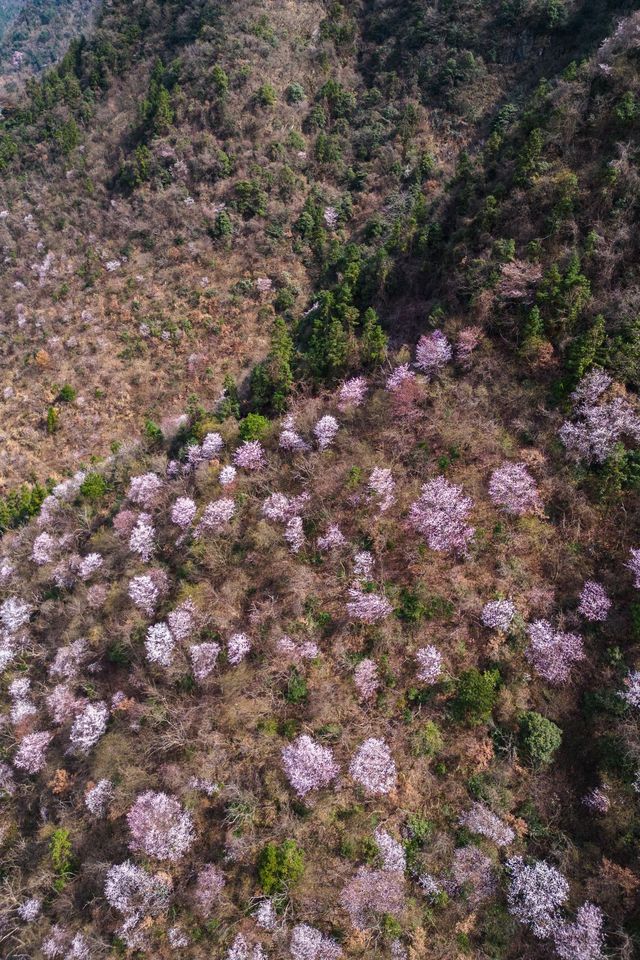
(319, 481)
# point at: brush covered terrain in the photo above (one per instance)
(319, 480)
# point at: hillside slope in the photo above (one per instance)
(319, 529)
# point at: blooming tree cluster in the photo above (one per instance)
(440, 515)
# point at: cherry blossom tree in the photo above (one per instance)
(633, 565)
(227, 476)
(597, 800)
(440, 515)
(325, 431)
(308, 765)
(307, 943)
(88, 727)
(89, 565)
(147, 590)
(208, 890)
(631, 693)
(479, 819)
(595, 603)
(143, 538)
(583, 939)
(373, 767)
(366, 679)
(238, 647)
(553, 652)
(98, 797)
(467, 341)
(352, 393)
(44, 549)
(473, 873)
(391, 851)
(399, 376)
(429, 664)
(216, 516)
(29, 910)
(498, 614)
(433, 352)
(334, 539)
(513, 488)
(598, 425)
(160, 645)
(370, 894)
(367, 607)
(133, 891)
(294, 534)
(382, 487)
(204, 657)
(31, 755)
(183, 512)
(145, 490)
(536, 892)
(250, 456)
(14, 614)
(159, 827)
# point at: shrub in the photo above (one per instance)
(295, 93)
(539, 738)
(94, 486)
(253, 427)
(67, 394)
(53, 420)
(476, 695)
(428, 741)
(61, 857)
(280, 866)
(266, 95)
